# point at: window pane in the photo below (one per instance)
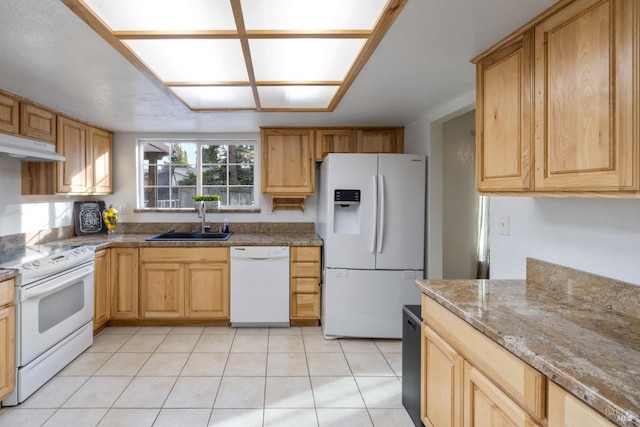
(241, 196)
(214, 154)
(240, 174)
(214, 175)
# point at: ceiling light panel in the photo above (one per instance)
(297, 97)
(303, 60)
(310, 15)
(192, 60)
(216, 97)
(264, 55)
(164, 15)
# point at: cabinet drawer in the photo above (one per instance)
(305, 253)
(305, 285)
(305, 269)
(203, 254)
(6, 292)
(521, 382)
(306, 305)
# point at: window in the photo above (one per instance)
(173, 171)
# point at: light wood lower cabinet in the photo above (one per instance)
(7, 338)
(124, 283)
(441, 382)
(567, 411)
(467, 375)
(102, 296)
(184, 283)
(305, 284)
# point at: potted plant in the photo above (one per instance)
(211, 200)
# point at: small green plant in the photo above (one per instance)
(207, 198)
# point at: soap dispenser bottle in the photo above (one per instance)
(225, 227)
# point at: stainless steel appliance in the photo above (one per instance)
(54, 311)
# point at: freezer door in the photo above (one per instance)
(401, 187)
(365, 303)
(349, 238)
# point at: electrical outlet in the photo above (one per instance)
(123, 209)
(503, 225)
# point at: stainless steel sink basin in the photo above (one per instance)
(194, 236)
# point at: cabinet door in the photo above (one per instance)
(101, 165)
(504, 118)
(72, 144)
(102, 278)
(380, 140)
(207, 291)
(486, 405)
(441, 382)
(124, 283)
(9, 114)
(585, 101)
(334, 141)
(7, 350)
(161, 290)
(36, 122)
(287, 161)
(567, 411)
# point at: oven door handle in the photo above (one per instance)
(56, 285)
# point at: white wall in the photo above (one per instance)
(460, 198)
(424, 136)
(601, 236)
(26, 214)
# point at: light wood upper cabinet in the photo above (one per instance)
(100, 148)
(37, 122)
(334, 141)
(287, 161)
(102, 296)
(586, 102)
(9, 113)
(7, 337)
(73, 175)
(504, 118)
(124, 283)
(380, 140)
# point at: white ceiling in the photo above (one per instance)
(49, 55)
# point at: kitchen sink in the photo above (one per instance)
(193, 236)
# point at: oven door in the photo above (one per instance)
(52, 309)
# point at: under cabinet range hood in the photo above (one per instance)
(28, 149)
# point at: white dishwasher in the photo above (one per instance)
(260, 286)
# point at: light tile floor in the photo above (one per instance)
(221, 376)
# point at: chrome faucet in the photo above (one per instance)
(202, 211)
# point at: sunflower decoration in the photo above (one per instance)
(110, 217)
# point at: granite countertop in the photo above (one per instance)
(7, 274)
(237, 239)
(589, 349)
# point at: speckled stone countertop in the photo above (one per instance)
(589, 345)
(7, 274)
(101, 241)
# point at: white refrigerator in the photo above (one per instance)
(371, 218)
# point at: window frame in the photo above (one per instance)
(200, 142)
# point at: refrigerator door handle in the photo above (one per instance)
(372, 246)
(381, 229)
